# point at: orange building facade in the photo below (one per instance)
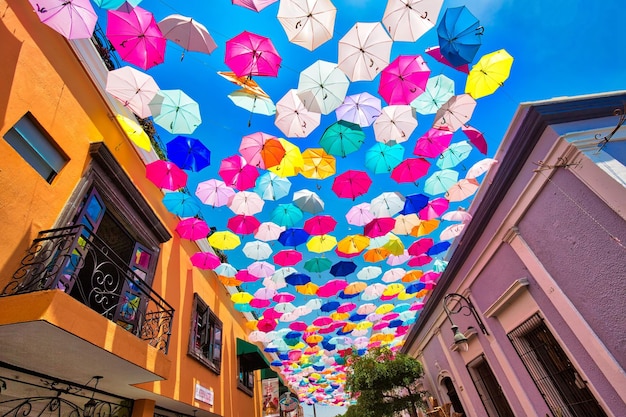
(101, 311)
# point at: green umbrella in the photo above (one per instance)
(318, 264)
(342, 138)
(175, 111)
(382, 158)
(454, 155)
(439, 90)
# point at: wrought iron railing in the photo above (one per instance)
(74, 260)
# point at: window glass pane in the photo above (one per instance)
(617, 150)
(142, 258)
(35, 160)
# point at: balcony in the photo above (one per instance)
(75, 261)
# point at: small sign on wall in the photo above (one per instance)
(204, 394)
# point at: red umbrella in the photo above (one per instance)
(432, 143)
(434, 208)
(410, 170)
(476, 138)
(136, 37)
(261, 150)
(205, 260)
(242, 224)
(320, 225)
(421, 246)
(287, 257)
(404, 79)
(379, 227)
(192, 228)
(165, 174)
(248, 54)
(351, 184)
(237, 173)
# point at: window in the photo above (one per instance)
(246, 378)
(563, 389)
(37, 148)
(206, 335)
(488, 388)
(452, 395)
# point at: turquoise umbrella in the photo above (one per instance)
(454, 155)
(272, 187)
(175, 112)
(286, 215)
(318, 264)
(342, 138)
(439, 90)
(382, 158)
(440, 181)
(181, 204)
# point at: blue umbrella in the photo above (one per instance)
(343, 268)
(382, 158)
(293, 237)
(297, 279)
(438, 248)
(414, 288)
(357, 317)
(188, 153)
(272, 187)
(414, 203)
(345, 296)
(459, 34)
(286, 215)
(181, 204)
(330, 306)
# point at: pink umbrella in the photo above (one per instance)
(452, 231)
(237, 173)
(242, 224)
(379, 227)
(266, 325)
(74, 19)
(332, 287)
(362, 109)
(435, 52)
(261, 269)
(265, 293)
(284, 297)
(351, 184)
(192, 228)
(359, 215)
(133, 88)
(395, 260)
(462, 189)
(205, 260)
(244, 275)
(480, 167)
(320, 225)
(261, 150)
(293, 118)
(248, 54)
(214, 193)
(287, 257)
(476, 138)
(410, 170)
(259, 303)
(458, 215)
(421, 246)
(255, 5)
(268, 231)
(187, 33)
(432, 143)
(136, 37)
(434, 208)
(419, 260)
(455, 113)
(404, 79)
(165, 174)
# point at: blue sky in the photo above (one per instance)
(560, 49)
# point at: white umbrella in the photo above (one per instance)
(459, 215)
(408, 20)
(292, 118)
(364, 51)
(387, 204)
(369, 272)
(322, 87)
(395, 123)
(480, 167)
(246, 203)
(393, 275)
(133, 88)
(308, 201)
(257, 250)
(405, 223)
(308, 23)
(268, 231)
(452, 231)
(455, 113)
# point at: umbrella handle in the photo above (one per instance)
(425, 15)
(480, 30)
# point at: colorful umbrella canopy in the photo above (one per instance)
(364, 51)
(135, 132)
(318, 264)
(404, 79)
(480, 167)
(286, 215)
(246, 203)
(288, 257)
(458, 215)
(268, 231)
(165, 174)
(192, 228)
(476, 138)
(462, 189)
(75, 19)
(205, 260)
(408, 20)
(249, 54)
(342, 138)
(439, 89)
(188, 153)
(410, 170)
(435, 52)
(351, 184)
(432, 143)
(243, 224)
(187, 33)
(133, 88)
(359, 215)
(405, 224)
(175, 111)
(362, 109)
(255, 5)
(317, 164)
(247, 83)
(224, 240)
(181, 204)
(395, 124)
(237, 173)
(308, 201)
(261, 150)
(383, 158)
(452, 231)
(214, 192)
(292, 162)
(308, 23)
(257, 250)
(353, 244)
(489, 73)
(320, 225)
(342, 268)
(459, 34)
(379, 226)
(454, 155)
(413, 203)
(321, 243)
(434, 208)
(136, 37)
(387, 204)
(455, 113)
(440, 181)
(272, 187)
(253, 102)
(293, 118)
(322, 87)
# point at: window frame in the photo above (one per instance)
(245, 378)
(213, 329)
(489, 399)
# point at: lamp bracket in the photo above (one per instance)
(461, 304)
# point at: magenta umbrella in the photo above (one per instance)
(214, 193)
(237, 173)
(379, 227)
(136, 37)
(404, 79)
(435, 52)
(332, 287)
(476, 138)
(410, 170)
(432, 143)
(165, 174)
(242, 224)
(248, 54)
(192, 228)
(434, 208)
(205, 260)
(420, 246)
(255, 5)
(351, 184)
(74, 19)
(287, 257)
(320, 225)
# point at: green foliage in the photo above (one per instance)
(384, 383)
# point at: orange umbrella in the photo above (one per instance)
(376, 255)
(353, 244)
(355, 288)
(425, 227)
(412, 275)
(245, 82)
(318, 164)
(229, 281)
(307, 289)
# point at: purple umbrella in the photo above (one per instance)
(74, 19)
(362, 109)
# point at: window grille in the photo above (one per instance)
(206, 336)
(488, 388)
(561, 386)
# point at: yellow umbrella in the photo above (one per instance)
(224, 240)
(395, 246)
(135, 132)
(348, 327)
(314, 339)
(321, 243)
(241, 298)
(489, 73)
(405, 296)
(339, 316)
(425, 227)
(292, 162)
(307, 289)
(364, 325)
(318, 164)
(385, 308)
(392, 290)
(352, 244)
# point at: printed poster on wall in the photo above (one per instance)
(270, 398)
